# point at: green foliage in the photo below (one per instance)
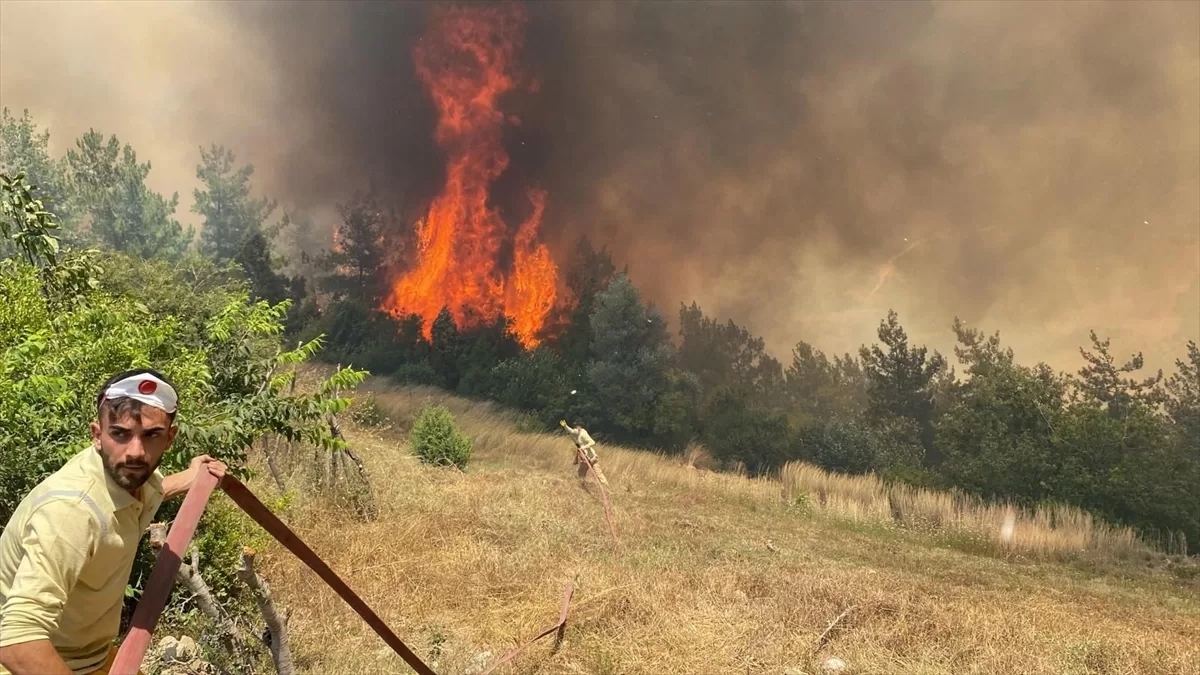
(856, 445)
(1101, 380)
(727, 355)
(1183, 397)
(231, 216)
(25, 220)
(1122, 457)
(996, 433)
(535, 381)
(444, 349)
(192, 289)
(420, 373)
(589, 273)
(110, 185)
(359, 260)
(631, 360)
(255, 259)
(367, 413)
(819, 389)
(437, 440)
(303, 246)
(738, 431)
(52, 361)
(478, 351)
(24, 149)
(361, 335)
(1100, 441)
(675, 412)
(901, 380)
(844, 446)
(235, 224)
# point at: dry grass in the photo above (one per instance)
(1051, 531)
(714, 573)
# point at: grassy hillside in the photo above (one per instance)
(712, 573)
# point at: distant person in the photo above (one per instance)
(68, 550)
(584, 444)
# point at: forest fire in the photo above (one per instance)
(466, 62)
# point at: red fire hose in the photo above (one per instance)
(158, 588)
(162, 578)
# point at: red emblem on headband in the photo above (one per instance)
(147, 386)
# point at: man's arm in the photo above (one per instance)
(179, 483)
(571, 431)
(33, 658)
(57, 542)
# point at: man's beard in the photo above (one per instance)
(129, 476)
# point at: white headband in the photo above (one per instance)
(145, 388)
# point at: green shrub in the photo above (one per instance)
(437, 440)
(367, 413)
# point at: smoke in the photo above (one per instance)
(800, 168)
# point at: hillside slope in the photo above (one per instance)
(713, 574)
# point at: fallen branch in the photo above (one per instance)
(281, 654)
(829, 629)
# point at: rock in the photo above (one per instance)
(184, 649)
(833, 665)
(188, 649)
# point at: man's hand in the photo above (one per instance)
(179, 483)
(205, 463)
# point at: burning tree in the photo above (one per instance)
(466, 62)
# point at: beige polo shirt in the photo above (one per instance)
(583, 441)
(581, 436)
(65, 559)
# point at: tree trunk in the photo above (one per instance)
(271, 465)
(281, 654)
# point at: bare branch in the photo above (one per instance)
(832, 625)
(280, 652)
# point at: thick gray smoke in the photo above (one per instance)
(798, 167)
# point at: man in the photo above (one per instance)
(68, 550)
(584, 444)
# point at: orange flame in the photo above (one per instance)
(466, 62)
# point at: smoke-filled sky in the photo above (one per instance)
(798, 167)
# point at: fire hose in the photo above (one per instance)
(162, 578)
(603, 493)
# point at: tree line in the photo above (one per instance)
(1109, 438)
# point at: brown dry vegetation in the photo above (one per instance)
(713, 573)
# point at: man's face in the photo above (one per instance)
(132, 443)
